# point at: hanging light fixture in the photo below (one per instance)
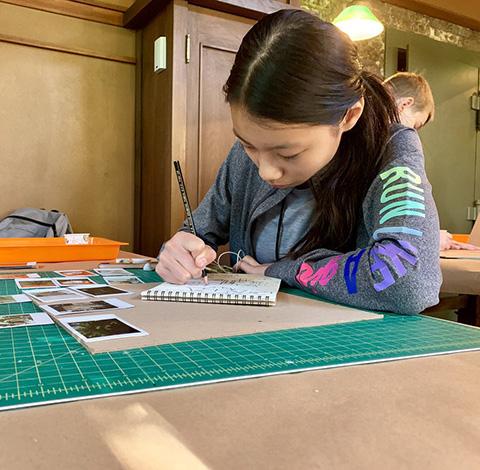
(358, 22)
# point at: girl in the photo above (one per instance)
(413, 98)
(321, 190)
(416, 108)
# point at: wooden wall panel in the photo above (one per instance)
(74, 9)
(214, 120)
(67, 124)
(68, 32)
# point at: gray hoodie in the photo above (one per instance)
(395, 266)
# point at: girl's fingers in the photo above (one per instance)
(164, 273)
(205, 257)
(247, 261)
(251, 261)
(256, 268)
(185, 259)
(177, 274)
(189, 242)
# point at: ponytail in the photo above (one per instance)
(341, 186)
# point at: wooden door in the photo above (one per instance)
(450, 141)
(214, 39)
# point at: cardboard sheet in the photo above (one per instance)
(460, 276)
(460, 254)
(172, 322)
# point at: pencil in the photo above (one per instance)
(186, 205)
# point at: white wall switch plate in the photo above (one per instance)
(160, 54)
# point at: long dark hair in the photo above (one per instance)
(294, 68)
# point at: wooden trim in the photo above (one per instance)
(137, 199)
(143, 11)
(179, 109)
(68, 50)
(73, 9)
(105, 5)
(253, 9)
(436, 12)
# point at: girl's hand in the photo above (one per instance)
(183, 257)
(448, 243)
(251, 266)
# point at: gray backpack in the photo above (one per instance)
(37, 223)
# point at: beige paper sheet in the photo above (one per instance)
(173, 322)
(460, 254)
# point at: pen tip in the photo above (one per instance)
(205, 280)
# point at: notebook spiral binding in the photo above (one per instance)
(169, 296)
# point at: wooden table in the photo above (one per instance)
(418, 413)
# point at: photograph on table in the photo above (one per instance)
(14, 299)
(74, 282)
(66, 308)
(122, 280)
(112, 272)
(35, 283)
(20, 276)
(25, 319)
(55, 295)
(102, 291)
(99, 328)
(75, 273)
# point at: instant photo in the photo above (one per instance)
(14, 299)
(25, 319)
(66, 308)
(75, 273)
(75, 282)
(122, 280)
(102, 291)
(55, 295)
(35, 283)
(100, 328)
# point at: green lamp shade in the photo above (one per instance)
(358, 22)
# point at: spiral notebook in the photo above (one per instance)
(234, 289)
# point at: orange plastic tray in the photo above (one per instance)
(461, 237)
(23, 250)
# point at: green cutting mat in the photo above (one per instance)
(42, 364)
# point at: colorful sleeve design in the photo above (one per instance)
(398, 269)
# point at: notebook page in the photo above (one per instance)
(223, 284)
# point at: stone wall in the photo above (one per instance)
(372, 51)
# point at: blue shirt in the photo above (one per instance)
(297, 218)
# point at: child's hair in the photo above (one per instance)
(409, 84)
(294, 68)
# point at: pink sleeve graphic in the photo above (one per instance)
(309, 278)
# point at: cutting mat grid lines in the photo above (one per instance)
(43, 364)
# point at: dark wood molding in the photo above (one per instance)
(253, 9)
(143, 10)
(68, 50)
(435, 12)
(74, 9)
